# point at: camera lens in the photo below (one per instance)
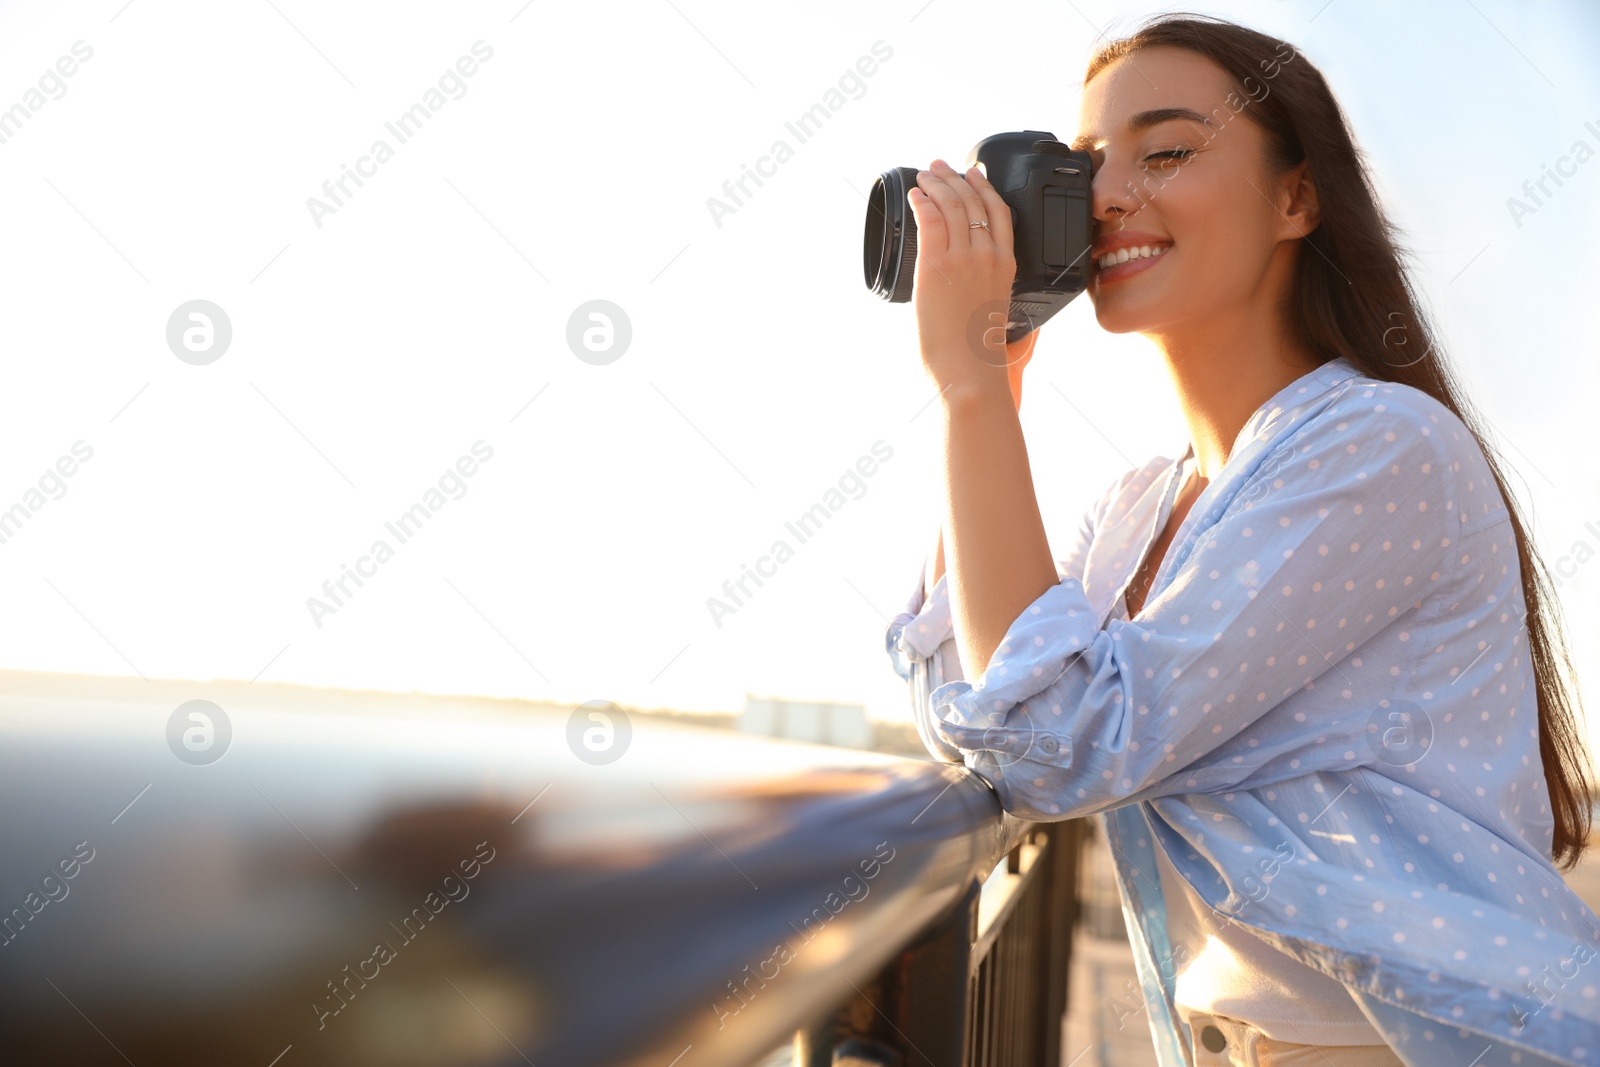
(889, 248)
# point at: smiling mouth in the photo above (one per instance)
(1125, 262)
(1125, 255)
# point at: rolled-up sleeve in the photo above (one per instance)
(922, 646)
(1346, 525)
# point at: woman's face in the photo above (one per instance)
(1194, 187)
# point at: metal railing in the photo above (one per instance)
(986, 986)
(380, 886)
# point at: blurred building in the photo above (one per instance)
(844, 725)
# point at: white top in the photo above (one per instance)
(1224, 969)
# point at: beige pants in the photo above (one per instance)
(1220, 1041)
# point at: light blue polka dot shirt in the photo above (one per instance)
(1324, 714)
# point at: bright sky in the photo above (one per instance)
(376, 341)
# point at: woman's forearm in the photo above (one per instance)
(998, 555)
(935, 568)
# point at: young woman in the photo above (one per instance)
(1311, 672)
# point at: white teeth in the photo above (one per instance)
(1122, 255)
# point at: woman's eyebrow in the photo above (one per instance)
(1085, 142)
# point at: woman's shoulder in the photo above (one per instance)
(1384, 422)
(1404, 402)
(1397, 405)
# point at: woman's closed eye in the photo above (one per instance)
(1176, 154)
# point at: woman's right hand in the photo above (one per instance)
(975, 269)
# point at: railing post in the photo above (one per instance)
(931, 982)
(1061, 916)
(916, 1009)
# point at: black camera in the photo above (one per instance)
(1046, 185)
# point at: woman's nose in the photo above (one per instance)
(1111, 192)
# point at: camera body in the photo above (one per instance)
(1046, 185)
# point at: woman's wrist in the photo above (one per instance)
(978, 394)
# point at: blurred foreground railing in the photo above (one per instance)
(389, 887)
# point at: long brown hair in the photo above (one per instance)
(1351, 297)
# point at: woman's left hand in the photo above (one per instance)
(962, 285)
